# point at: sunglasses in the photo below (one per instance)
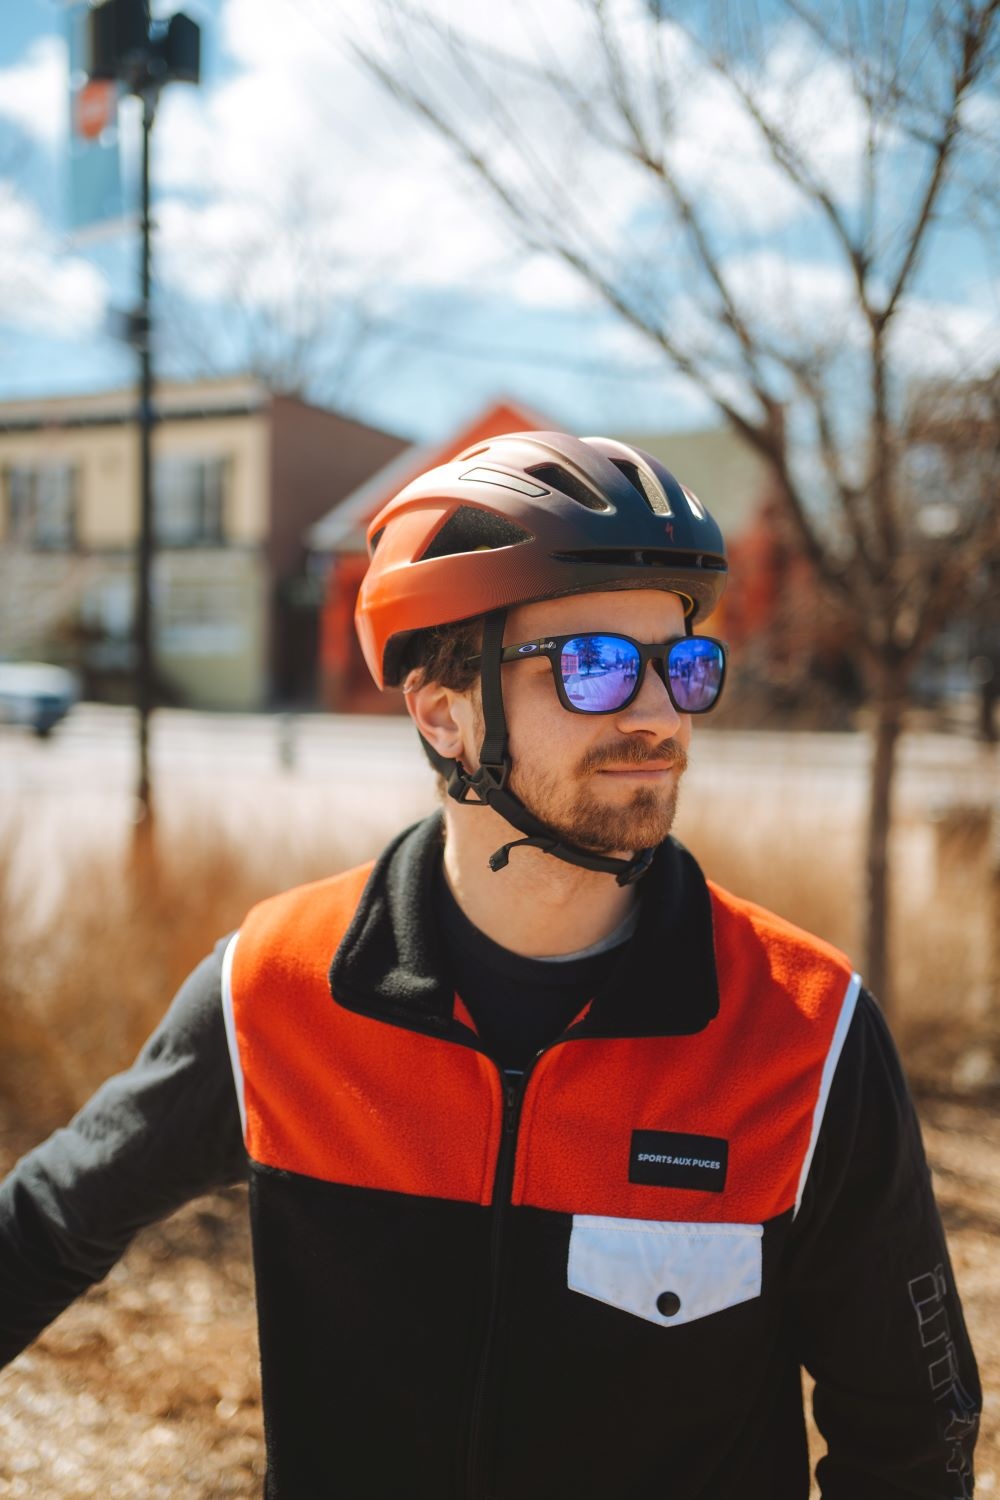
(599, 673)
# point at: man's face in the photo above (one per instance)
(604, 781)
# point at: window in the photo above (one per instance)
(41, 506)
(188, 501)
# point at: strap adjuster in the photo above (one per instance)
(490, 777)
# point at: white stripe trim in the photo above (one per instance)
(229, 1015)
(829, 1069)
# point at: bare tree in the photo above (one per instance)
(870, 133)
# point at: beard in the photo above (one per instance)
(572, 806)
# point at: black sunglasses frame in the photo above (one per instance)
(551, 646)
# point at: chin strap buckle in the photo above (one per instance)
(488, 778)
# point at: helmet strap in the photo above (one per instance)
(490, 782)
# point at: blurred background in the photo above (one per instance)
(758, 240)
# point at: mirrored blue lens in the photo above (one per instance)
(598, 672)
(695, 667)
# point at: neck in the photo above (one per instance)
(538, 905)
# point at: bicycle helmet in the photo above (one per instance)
(514, 520)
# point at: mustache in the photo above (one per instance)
(632, 754)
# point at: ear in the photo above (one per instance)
(443, 717)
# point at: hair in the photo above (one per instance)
(441, 654)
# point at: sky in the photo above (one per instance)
(290, 190)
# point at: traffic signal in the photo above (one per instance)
(117, 38)
(181, 49)
(123, 44)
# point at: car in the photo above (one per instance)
(36, 694)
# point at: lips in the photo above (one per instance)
(652, 769)
(630, 767)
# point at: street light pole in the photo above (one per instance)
(125, 44)
(144, 635)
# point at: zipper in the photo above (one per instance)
(503, 1177)
(502, 1182)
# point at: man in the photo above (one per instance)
(563, 1162)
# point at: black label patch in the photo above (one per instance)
(661, 1158)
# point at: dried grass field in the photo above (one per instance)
(148, 1386)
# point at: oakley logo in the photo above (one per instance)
(664, 1158)
(527, 650)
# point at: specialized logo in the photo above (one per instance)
(663, 1158)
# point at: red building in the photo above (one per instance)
(339, 540)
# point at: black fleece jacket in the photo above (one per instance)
(168, 1129)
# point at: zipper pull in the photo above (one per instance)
(511, 1101)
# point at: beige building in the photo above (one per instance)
(239, 474)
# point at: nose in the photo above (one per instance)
(651, 711)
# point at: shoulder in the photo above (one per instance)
(755, 943)
(291, 927)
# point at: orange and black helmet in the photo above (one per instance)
(529, 516)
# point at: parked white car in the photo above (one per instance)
(36, 694)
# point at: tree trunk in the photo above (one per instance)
(887, 701)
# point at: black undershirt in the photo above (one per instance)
(519, 1004)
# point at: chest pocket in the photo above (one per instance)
(665, 1273)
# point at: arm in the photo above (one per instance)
(150, 1139)
(876, 1313)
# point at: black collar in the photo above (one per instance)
(392, 962)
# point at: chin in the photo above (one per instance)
(644, 823)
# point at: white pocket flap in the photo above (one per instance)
(665, 1273)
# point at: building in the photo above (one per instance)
(240, 473)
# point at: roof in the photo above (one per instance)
(343, 528)
(174, 401)
(214, 397)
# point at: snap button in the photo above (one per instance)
(667, 1304)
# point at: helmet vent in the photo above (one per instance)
(375, 540)
(653, 497)
(469, 529)
(504, 481)
(694, 504)
(558, 478)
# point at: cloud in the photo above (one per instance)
(40, 288)
(946, 340)
(809, 301)
(297, 133)
(34, 92)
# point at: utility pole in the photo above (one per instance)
(144, 578)
(125, 45)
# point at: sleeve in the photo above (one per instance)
(150, 1139)
(876, 1312)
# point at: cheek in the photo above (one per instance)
(539, 728)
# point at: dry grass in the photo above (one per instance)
(804, 859)
(148, 1386)
(91, 958)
